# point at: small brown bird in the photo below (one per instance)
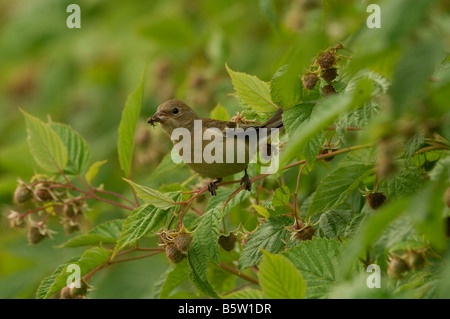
(175, 114)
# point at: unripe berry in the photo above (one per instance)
(35, 234)
(329, 74)
(415, 259)
(42, 194)
(326, 60)
(397, 267)
(310, 80)
(306, 233)
(174, 254)
(182, 242)
(375, 200)
(328, 90)
(228, 242)
(22, 194)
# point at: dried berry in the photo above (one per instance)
(397, 267)
(22, 194)
(174, 254)
(228, 242)
(327, 150)
(415, 259)
(375, 200)
(328, 90)
(69, 211)
(310, 81)
(182, 241)
(329, 74)
(42, 194)
(326, 60)
(306, 233)
(70, 226)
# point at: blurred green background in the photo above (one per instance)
(82, 77)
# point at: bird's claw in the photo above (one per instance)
(246, 181)
(213, 186)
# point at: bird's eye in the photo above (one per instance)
(175, 111)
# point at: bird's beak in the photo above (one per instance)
(159, 116)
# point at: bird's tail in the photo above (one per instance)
(276, 121)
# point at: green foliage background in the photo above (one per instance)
(82, 77)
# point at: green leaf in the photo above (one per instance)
(222, 195)
(127, 127)
(245, 294)
(317, 260)
(46, 146)
(422, 57)
(369, 230)
(152, 196)
(197, 272)
(172, 278)
(261, 210)
(427, 209)
(204, 249)
(252, 91)
(403, 183)
(295, 116)
(79, 152)
(337, 186)
(139, 223)
(334, 222)
(103, 234)
(279, 279)
(93, 170)
(48, 281)
(281, 196)
(285, 88)
(90, 259)
(219, 113)
(325, 113)
(268, 236)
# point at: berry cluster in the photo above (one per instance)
(399, 265)
(324, 66)
(49, 198)
(176, 244)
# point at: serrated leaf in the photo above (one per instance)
(324, 114)
(268, 236)
(106, 233)
(79, 152)
(172, 278)
(93, 170)
(295, 116)
(402, 184)
(245, 294)
(334, 222)
(368, 231)
(152, 196)
(139, 223)
(206, 236)
(252, 91)
(48, 281)
(223, 195)
(279, 278)
(281, 196)
(317, 260)
(261, 210)
(219, 113)
(127, 127)
(337, 186)
(197, 272)
(45, 145)
(90, 259)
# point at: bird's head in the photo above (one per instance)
(173, 114)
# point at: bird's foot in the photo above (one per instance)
(213, 186)
(246, 181)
